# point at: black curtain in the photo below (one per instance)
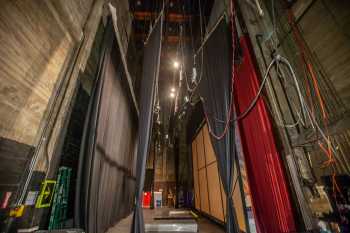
(216, 96)
(148, 83)
(106, 180)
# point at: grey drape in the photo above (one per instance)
(150, 78)
(215, 90)
(106, 183)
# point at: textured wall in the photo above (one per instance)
(37, 38)
(39, 41)
(42, 45)
(326, 29)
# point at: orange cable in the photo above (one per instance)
(310, 69)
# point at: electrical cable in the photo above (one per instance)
(309, 67)
(304, 109)
(253, 102)
(331, 148)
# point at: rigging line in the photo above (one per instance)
(196, 83)
(189, 88)
(154, 24)
(313, 122)
(274, 32)
(307, 62)
(191, 28)
(201, 48)
(202, 38)
(281, 74)
(230, 110)
(200, 19)
(208, 34)
(324, 113)
(203, 41)
(182, 42)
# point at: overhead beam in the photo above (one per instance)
(170, 17)
(172, 39)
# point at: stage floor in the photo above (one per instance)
(204, 225)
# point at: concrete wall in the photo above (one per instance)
(40, 40)
(37, 38)
(45, 46)
(326, 29)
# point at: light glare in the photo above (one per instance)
(176, 64)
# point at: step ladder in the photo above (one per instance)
(60, 202)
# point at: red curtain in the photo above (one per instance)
(271, 201)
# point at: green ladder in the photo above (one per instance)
(60, 201)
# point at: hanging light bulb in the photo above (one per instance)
(186, 99)
(172, 89)
(172, 95)
(176, 64)
(194, 74)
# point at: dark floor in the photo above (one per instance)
(205, 225)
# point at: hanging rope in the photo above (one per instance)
(330, 162)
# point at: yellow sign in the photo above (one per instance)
(17, 211)
(46, 194)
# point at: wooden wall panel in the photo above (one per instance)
(195, 176)
(223, 198)
(238, 203)
(215, 198)
(200, 150)
(209, 150)
(203, 187)
(212, 201)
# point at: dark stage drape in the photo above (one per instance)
(215, 91)
(148, 83)
(106, 172)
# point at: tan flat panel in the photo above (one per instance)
(209, 150)
(195, 176)
(238, 203)
(200, 150)
(204, 191)
(223, 199)
(194, 155)
(197, 200)
(215, 199)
